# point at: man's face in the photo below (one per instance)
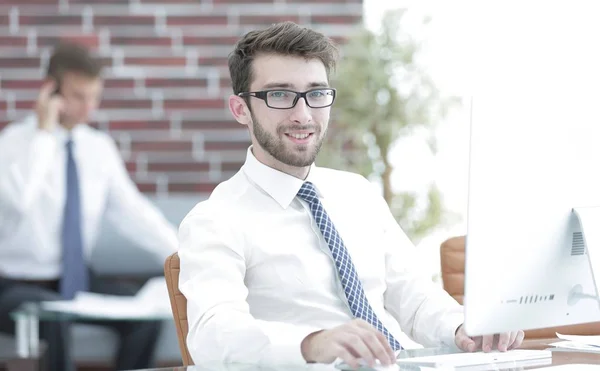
(81, 95)
(292, 136)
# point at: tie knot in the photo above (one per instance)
(308, 193)
(69, 144)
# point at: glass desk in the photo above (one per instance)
(559, 358)
(28, 316)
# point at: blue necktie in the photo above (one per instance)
(359, 305)
(74, 270)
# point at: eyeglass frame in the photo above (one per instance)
(262, 95)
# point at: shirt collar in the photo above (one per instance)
(282, 187)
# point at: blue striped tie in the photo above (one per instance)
(359, 305)
(74, 270)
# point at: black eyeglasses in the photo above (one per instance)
(286, 99)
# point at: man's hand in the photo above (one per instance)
(351, 342)
(505, 341)
(48, 106)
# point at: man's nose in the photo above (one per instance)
(301, 112)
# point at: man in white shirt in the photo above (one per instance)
(287, 262)
(58, 179)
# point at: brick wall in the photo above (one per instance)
(167, 81)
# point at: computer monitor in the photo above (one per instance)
(533, 224)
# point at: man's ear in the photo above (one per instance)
(239, 109)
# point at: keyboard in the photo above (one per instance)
(478, 358)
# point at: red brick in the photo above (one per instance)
(21, 84)
(212, 61)
(3, 124)
(156, 61)
(192, 187)
(96, 2)
(231, 166)
(193, 103)
(124, 19)
(13, 41)
(336, 19)
(324, 1)
(210, 40)
(170, 1)
(141, 41)
(267, 19)
(225, 82)
(91, 41)
(24, 104)
(124, 103)
(48, 20)
(161, 146)
(131, 166)
(145, 187)
(119, 83)
(20, 62)
(30, 2)
(226, 146)
(139, 125)
(3, 105)
(176, 83)
(178, 166)
(4, 20)
(210, 125)
(233, 2)
(195, 20)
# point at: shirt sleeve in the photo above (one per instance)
(221, 327)
(425, 311)
(26, 157)
(130, 212)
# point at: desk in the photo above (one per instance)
(558, 358)
(28, 316)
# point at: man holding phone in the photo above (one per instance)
(58, 179)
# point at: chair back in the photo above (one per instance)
(178, 306)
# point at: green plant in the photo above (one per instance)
(384, 95)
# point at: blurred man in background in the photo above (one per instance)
(59, 178)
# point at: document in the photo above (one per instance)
(589, 343)
(152, 301)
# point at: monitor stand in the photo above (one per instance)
(589, 222)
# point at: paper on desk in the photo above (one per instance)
(152, 301)
(566, 344)
(581, 339)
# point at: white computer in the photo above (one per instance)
(533, 228)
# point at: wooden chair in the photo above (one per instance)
(178, 305)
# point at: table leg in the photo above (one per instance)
(27, 334)
(22, 333)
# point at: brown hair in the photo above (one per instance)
(285, 38)
(73, 57)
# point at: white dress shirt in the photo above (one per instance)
(259, 277)
(33, 194)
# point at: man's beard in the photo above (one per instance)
(305, 155)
